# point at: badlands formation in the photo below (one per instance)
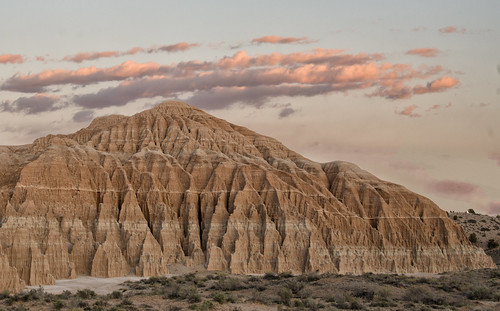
(175, 185)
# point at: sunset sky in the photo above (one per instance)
(409, 91)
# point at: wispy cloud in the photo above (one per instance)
(453, 187)
(86, 56)
(281, 40)
(452, 29)
(437, 85)
(11, 59)
(409, 111)
(424, 52)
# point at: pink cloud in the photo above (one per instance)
(424, 52)
(280, 40)
(85, 56)
(494, 208)
(239, 78)
(83, 76)
(80, 57)
(409, 111)
(11, 59)
(453, 187)
(495, 156)
(437, 85)
(452, 29)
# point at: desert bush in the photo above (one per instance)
(309, 277)
(206, 305)
(473, 238)
(85, 293)
(229, 284)
(455, 217)
(116, 295)
(294, 285)
(286, 275)
(58, 305)
(4, 294)
(271, 276)
(472, 221)
(190, 293)
(471, 211)
(174, 308)
(492, 244)
(219, 297)
(485, 229)
(285, 296)
(479, 293)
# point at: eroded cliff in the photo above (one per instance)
(176, 185)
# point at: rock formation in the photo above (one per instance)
(175, 185)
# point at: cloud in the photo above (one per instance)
(495, 156)
(280, 40)
(286, 112)
(182, 46)
(452, 187)
(240, 78)
(83, 116)
(452, 29)
(437, 85)
(85, 56)
(31, 105)
(11, 59)
(80, 57)
(83, 76)
(409, 111)
(424, 52)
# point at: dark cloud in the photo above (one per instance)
(31, 105)
(286, 112)
(83, 116)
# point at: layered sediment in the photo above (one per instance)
(175, 185)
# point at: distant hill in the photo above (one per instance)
(485, 228)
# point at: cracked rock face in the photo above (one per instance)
(175, 185)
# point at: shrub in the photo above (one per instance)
(471, 211)
(492, 244)
(219, 297)
(86, 293)
(271, 276)
(455, 217)
(472, 221)
(473, 238)
(4, 294)
(116, 295)
(229, 284)
(58, 305)
(479, 292)
(285, 295)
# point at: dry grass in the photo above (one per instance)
(471, 290)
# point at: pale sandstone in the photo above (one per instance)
(175, 185)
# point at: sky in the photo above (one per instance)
(407, 90)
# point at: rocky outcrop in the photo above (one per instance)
(174, 185)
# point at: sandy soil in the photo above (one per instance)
(101, 286)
